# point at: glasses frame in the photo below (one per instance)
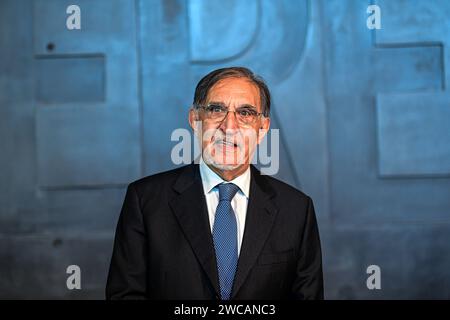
(204, 107)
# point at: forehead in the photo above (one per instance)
(235, 91)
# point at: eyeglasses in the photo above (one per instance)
(245, 115)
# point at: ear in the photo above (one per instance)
(264, 128)
(193, 118)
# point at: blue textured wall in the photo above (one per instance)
(364, 119)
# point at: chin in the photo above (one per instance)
(219, 163)
(225, 167)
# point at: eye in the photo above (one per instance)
(247, 112)
(215, 108)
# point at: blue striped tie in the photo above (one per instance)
(225, 239)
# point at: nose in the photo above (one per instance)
(229, 123)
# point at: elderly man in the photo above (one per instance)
(218, 229)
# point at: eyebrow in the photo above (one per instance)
(247, 106)
(242, 106)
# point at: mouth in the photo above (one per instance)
(227, 143)
(227, 151)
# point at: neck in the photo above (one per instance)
(229, 175)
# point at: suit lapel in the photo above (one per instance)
(261, 213)
(189, 207)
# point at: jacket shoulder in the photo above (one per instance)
(160, 181)
(283, 189)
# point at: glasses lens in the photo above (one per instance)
(215, 112)
(246, 116)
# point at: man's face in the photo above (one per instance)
(229, 142)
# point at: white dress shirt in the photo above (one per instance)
(210, 180)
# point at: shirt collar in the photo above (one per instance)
(211, 179)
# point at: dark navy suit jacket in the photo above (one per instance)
(163, 246)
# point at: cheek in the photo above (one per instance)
(251, 138)
(207, 132)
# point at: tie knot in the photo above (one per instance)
(227, 191)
